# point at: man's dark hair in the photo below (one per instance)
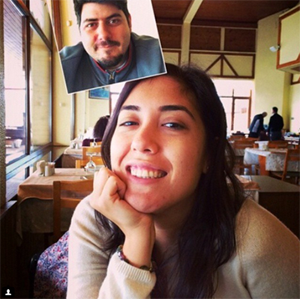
(275, 109)
(120, 4)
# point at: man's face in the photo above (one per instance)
(105, 34)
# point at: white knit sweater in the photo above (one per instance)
(265, 265)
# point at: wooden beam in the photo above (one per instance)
(186, 30)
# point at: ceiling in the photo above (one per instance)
(224, 13)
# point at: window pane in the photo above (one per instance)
(14, 83)
(39, 10)
(40, 81)
(241, 112)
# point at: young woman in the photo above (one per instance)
(167, 217)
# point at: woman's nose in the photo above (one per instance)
(145, 140)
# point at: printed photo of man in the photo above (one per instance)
(109, 51)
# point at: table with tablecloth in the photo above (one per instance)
(35, 200)
(268, 160)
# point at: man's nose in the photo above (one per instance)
(103, 32)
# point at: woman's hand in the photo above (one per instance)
(138, 228)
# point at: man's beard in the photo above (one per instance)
(110, 63)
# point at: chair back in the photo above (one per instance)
(80, 163)
(236, 137)
(90, 149)
(243, 143)
(67, 194)
(292, 155)
(97, 142)
(278, 144)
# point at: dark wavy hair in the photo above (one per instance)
(207, 238)
(120, 4)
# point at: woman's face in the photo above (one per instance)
(158, 146)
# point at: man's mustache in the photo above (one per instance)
(105, 43)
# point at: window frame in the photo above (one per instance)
(24, 161)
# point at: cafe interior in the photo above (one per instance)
(251, 49)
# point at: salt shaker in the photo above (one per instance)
(40, 165)
(47, 170)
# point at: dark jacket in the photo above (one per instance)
(276, 123)
(256, 126)
(82, 72)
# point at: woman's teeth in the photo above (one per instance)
(146, 174)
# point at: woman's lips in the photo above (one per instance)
(146, 173)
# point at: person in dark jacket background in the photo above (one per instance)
(275, 125)
(257, 125)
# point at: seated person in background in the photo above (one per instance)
(100, 127)
(98, 131)
(162, 220)
(108, 52)
(257, 125)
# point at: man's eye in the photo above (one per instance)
(114, 21)
(91, 25)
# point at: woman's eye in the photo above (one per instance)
(174, 126)
(128, 123)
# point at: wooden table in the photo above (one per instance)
(35, 204)
(280, 198)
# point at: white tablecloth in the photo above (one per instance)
(73, 151)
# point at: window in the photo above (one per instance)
(40, 102)
(27, 84)
(14, 82)
(236, 96)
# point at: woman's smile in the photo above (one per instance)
(145, 173)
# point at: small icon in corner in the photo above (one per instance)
(8, 292)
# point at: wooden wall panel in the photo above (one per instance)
(172, 57)
(205, 38)
(170, 36)
(225, 65)
(240, 40)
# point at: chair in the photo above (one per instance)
(239, 146)
(97, 142)
(79, 163)
(90, 149)
(234, 137)
(67, 194)
(292, 155)
(278, 144)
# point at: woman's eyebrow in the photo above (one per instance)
(176, 108)
(162, 109)
(131, 107)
